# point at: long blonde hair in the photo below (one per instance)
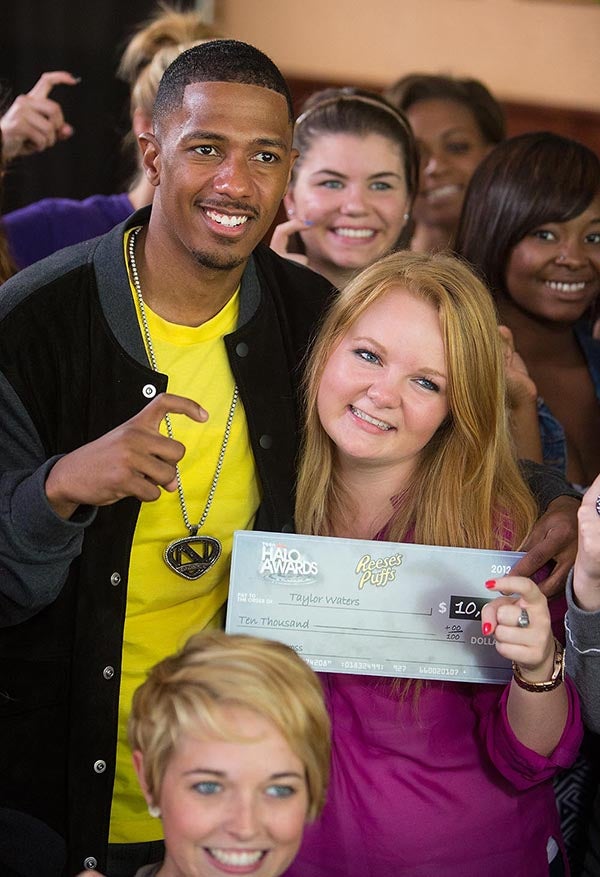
(467, 490)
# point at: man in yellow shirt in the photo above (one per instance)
(123, 497)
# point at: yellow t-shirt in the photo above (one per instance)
(164, 609)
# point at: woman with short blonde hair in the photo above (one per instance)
(186, 693)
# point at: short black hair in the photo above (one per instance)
(218, 61)
(471, 93)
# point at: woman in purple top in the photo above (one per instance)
(42, 228)
(39, 229)
(406, 440)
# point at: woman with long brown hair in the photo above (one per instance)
(406, 439)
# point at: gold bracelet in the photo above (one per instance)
(558, 673)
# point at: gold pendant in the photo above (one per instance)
(192, 556)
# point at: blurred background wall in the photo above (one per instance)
(536, 51)
(540, 57)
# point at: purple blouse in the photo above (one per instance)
(437, 786)
(42, 228)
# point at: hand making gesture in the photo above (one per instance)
(134, 459)
(33, 122)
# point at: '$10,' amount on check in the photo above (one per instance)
(463, 608)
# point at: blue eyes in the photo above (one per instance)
(374, 359)
(428, 385)
(375, 186)
(280, 791)
(207, 787)
(367, 355)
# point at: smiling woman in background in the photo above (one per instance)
(352, 187)
(455, 122)
(531, 227)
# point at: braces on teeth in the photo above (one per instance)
(362, 416)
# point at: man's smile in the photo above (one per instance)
(225, 219)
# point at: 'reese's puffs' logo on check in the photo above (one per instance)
(377, 572)
(286, 565)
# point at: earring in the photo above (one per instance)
(154, 811)
(561, 258)
(406, 217)
(290, 211)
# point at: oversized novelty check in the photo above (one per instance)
(376, 608)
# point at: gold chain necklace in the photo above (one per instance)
(191, 556)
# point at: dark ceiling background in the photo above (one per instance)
(85, 37)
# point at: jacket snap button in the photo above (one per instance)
(149, 391)
(89, 863)
(266, 441)
(99, 766)
(242, 349)
(108, 672)
(115, 579)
